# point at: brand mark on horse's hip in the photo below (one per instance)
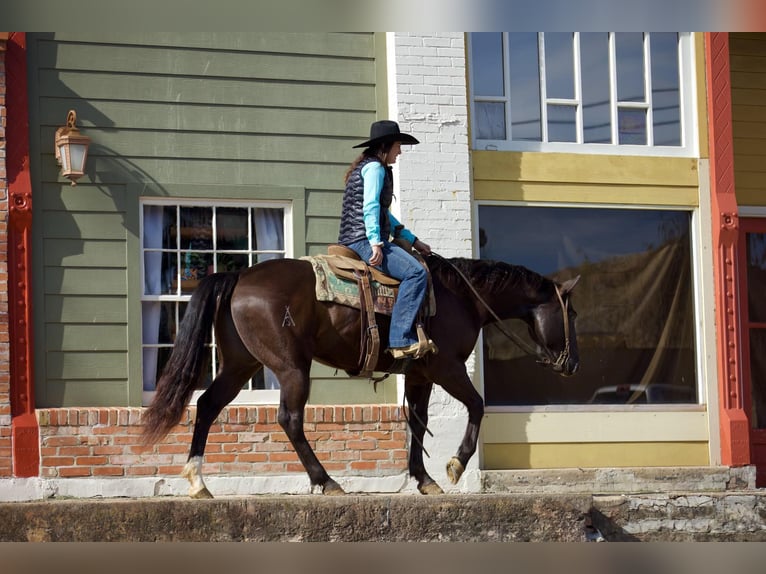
(287, 320)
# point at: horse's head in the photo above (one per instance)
(552, 327)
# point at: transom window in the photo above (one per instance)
(623, 92)
(184, 241)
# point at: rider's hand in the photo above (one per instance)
(423, 248)
(377, 255)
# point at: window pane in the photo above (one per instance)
(525, 86)
(196, 227)
(231, 228)
(562, 126)
(487, 63)
(756, 277)
(594, 55)
(630, 66)
(635, 325)
(631, 126)
(490, 121)
(666, 96)
(559, 65)
(758, 377)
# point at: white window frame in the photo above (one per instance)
(687, 100)
(244, 397)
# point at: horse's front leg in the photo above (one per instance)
(459, 385)
(294, 392)
(418, 393)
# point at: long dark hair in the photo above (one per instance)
(379, 152)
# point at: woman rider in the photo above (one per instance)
(367, 226)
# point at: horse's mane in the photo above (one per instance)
(485, 274)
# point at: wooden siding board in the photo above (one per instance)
(335, 44)
(204, 63)
(748, 80)
(217, 91)
(92, 365)
(110, 170)
(227, 120)
(84, 309)
(79, 253)
(83, 198)
(324, 203)
(183, 146)
(86, 393)
(93, 337)
(81, 281)
(73, 225)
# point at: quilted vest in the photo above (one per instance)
(352, 214)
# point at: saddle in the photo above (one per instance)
(346, 263)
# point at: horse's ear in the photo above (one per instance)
(567, 286)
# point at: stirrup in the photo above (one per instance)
(415, 350)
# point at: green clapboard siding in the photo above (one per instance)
(177, 115)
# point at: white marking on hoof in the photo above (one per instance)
(455, 470)
(430, 489)
(193, 473)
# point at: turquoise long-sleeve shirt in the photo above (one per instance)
(373, 175)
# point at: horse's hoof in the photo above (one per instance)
(332, 488)
(203, 493)
(455, 470)
(430, 488)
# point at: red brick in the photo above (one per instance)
(91, 460)
(141, 470)
(74, 471)
(108, 471)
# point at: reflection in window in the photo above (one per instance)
(183, 243)
(618, 88)
(635, 321)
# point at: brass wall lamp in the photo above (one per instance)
(71, 149)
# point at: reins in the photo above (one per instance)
(526, 347)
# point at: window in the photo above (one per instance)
(182, 242)
(635, 325)
(624, 92)
(753, 314)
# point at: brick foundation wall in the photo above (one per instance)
(358, 440)
(5, 385)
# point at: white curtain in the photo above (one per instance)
(152, 286)
(269, 235)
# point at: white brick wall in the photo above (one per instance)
(435, 194)
(434, 178)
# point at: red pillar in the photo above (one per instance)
(734, 424)
(24, 428)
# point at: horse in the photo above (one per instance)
(247, 310)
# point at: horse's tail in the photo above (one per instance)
(190, 358)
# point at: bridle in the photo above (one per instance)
(558, 363)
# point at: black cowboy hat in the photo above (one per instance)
(385, 131)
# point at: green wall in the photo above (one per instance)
(245, 115)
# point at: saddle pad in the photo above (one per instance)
(330, 287)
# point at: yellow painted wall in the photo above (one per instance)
(748, 82)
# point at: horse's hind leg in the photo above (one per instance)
(221, 392)
(294, 392)
(417, 394)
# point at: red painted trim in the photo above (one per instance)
(734, 424)
(24, 427)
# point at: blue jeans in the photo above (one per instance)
(412, 290)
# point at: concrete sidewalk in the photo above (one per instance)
(568, 505)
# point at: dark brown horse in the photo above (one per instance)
(248, 309)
